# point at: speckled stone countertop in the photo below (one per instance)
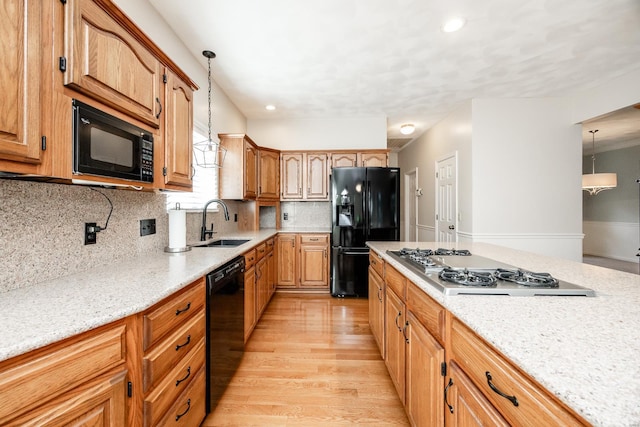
(584, 350)
(44, 313)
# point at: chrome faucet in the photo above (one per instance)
(204, 232)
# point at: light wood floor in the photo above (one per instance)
(311, 361)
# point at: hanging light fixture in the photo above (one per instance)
(209, 153)
(593, 182)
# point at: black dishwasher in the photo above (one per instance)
(225, 327)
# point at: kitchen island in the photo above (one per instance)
(584, 350)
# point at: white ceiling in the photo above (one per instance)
(348, 58)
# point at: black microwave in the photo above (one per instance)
(104, 145)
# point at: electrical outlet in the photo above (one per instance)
(286, 216)
(90, 233)
(147, 226)
(235, 217)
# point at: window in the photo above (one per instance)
(205, 186)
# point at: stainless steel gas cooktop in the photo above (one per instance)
(458, 272)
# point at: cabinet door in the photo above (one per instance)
(262, 286)
(291, 176)
(249, 301)
(250, 170)
(269, 174)
(395, 341)
(100, 403)
(178, 137)
(374, 160)
(424, 380)
(344, 160)
(107, 63)
(20, 69)
(287, 277)
(466, 406)
(376, 309)
(317, 177)
(314, 266)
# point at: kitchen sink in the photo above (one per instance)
(222, 243)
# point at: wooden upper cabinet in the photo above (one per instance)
(20, 85)
(317, 176)
(178, 136)
(374, 159)
(268, 174)
(291, 175)
(239, 174)
(105, 62)
(344, 160)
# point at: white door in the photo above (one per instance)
(411, 205)
(446, 199)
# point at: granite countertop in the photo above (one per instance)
(38, 315)
(584, 350)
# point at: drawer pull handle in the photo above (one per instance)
(396, 321)
(446, 390)
(185, 378)
(180, 311)
(179, 346)
(406, 325)
(315, 239)
(185, 412)
(512, 399)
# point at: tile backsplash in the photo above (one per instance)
(305, 214)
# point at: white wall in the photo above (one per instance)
(451, 135)
(320, 133)
(226, 117)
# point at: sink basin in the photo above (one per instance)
(223, 243)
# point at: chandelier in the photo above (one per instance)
(209, 153)
(593, 182)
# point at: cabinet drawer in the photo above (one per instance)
(176, 381)
(261, 249)
(249, 259)
(395, 281)
(314, 239)
(535, 406)
(427, 311)
(189, 408)
(46, 376)
(270, 245)
(172, 313)
(161, 359)
(376, 262)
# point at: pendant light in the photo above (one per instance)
(593, 182)
(209, 153)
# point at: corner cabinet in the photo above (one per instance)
(21, 31)
(268, 174)
(239, 174)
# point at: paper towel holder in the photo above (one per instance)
(178, 249)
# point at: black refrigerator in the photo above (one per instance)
(366, 207)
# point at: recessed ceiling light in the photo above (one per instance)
(453, 24)
(407, 129)
(270, 107)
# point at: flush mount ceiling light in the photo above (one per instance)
(593, 182)
(453, 25)
(407, 129)
(270, 107)
(209, 153)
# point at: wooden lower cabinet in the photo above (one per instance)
(303, 261)
(395, 340)
(376, 309)
(424, 380)
(466, 406)
(82, 379)
(174, 331)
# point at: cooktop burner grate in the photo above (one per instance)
(527, 278)
(468, 278)
(460, 252)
